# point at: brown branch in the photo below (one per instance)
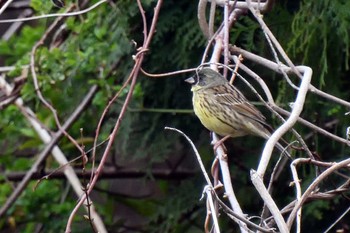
(168, 73)
(313, 196)
(133, 75)
(36, 83)
(108, 173)
(278, 67)
(42, 156)
(202, 19)
(314, 127)
(312, 187)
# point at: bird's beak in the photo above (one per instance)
(190, 80)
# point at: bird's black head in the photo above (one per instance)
(206, 77)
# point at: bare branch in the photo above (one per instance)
(297, 108)
(133, 75)
(264, 194)
(312, 187)
(55, 15)
(43, 155)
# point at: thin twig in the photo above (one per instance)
(198, 157)
(3, 8)
(226, 36)
(205, 174)
(208, 190)
(226, 177)
(314, 127)
(36, 83)
(266, 30)
(311, 188)
(235, 72)
(42, 156)
(262, 6)
(271, 105)
(168, 73)
(202, 19)
(55, 15)
(277, 68)
(212, 18)
(298, 107)
(339, 218)
(270, 203)
(298, 191)
(134, 74)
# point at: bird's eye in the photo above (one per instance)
(201, 81)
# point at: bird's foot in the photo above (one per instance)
(220, 143)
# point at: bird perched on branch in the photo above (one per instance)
(223, 109)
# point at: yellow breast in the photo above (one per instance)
(210, 116)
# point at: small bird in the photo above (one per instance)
(223, 109)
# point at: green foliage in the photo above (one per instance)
(96, 43)
(179, 213)
(97, 48)
(19, 47)
(246, 34)
(40, 207)
(321, 37)
(40, 6)
(316, 210)
(13, 123)
(178, 35)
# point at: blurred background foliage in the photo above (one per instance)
(97, 48)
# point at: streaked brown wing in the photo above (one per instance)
(231, 97)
